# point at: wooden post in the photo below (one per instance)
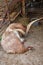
(23, 8)
(7, 10)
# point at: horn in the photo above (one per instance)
(31, 23)
(20, 30)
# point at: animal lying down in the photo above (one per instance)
(12, 42)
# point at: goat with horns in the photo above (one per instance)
(11, 40)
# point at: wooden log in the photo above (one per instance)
(23, 8)
(7, 9)
(16, 16)
(11, 5)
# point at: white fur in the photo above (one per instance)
(16, 33)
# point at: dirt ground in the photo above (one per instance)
(31, 57)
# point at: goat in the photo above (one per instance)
(11, 40)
